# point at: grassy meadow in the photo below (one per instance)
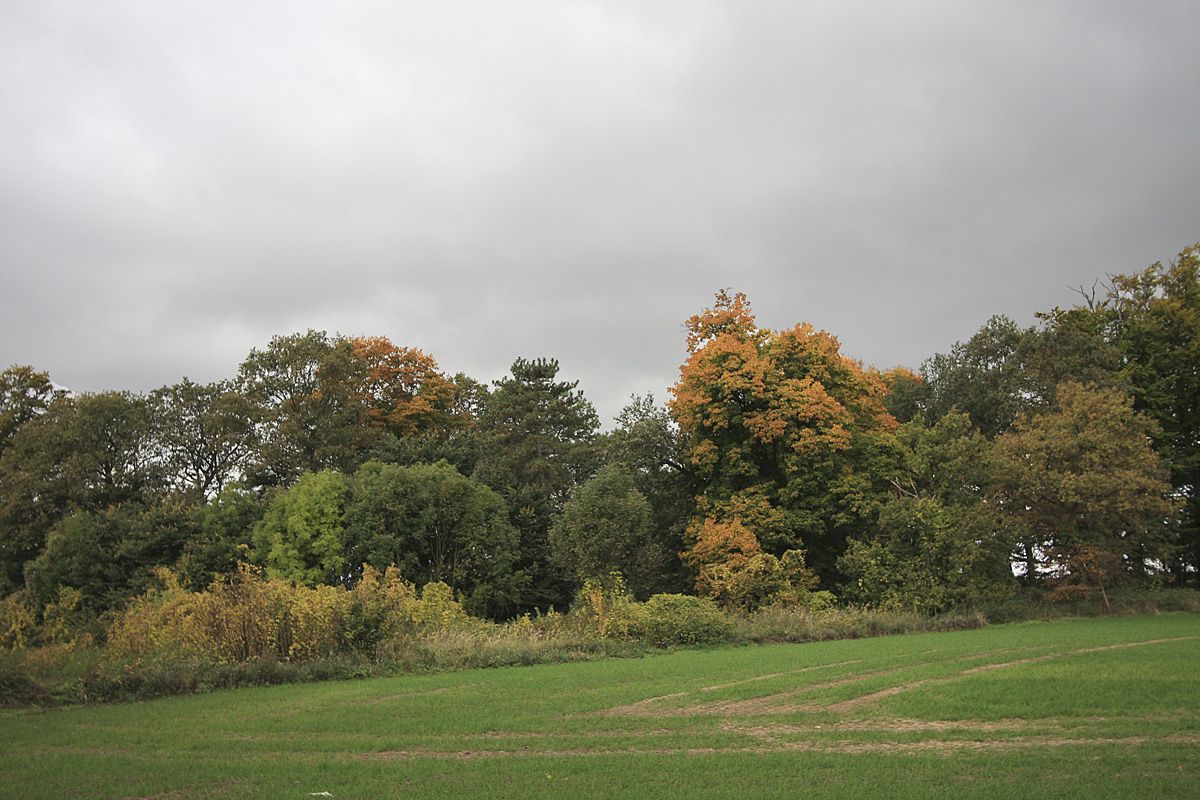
(1073, 708)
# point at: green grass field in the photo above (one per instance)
(1078, 708)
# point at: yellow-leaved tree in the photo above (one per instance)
(790, 441)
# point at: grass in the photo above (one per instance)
(1074, 708)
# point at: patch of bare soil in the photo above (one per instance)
(642, 708)
(500, 736)
(857, 702)
(894, 725)
(853, 747)
(778, 675)
(866, 699)
(787, 702)
(765, 704)
(469, 755)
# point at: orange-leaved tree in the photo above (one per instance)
(404, 390)
(789, 438)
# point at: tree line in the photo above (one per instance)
(1062, 457)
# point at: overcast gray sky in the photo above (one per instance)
(179, 181)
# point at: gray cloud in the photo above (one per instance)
(180, 181)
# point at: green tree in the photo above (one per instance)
(604, 527)
(110, 452)
(434, 524)
(79, 555)
(83, 453)
(1068, 346)
(538, 438)
(650, 445)
(937, 543)
(301, 537)
(1154, 321)
(1005, 371)
(223, 536)
(927, 557)
(24, 394)
(907, 395)
(981, 377)
(34, 493)
(205, 434)
(311, 414)
(109, 554)
(155, 536)
(1085, 490)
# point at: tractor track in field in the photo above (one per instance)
(785, 702)
(847, 735)
(842, 746)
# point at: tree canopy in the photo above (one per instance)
(1064, 455)
(786, 434)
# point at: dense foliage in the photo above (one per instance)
(1061, 458)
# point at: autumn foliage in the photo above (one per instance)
(783, 429)
(375, 496)
(246, 617)
(402, 387)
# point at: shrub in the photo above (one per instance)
(67, 621)
(312, 623)
(244, 618)
(380, 608)
(749, 583)
(781, 623)
(676, 619)
(161, 620)
(17, 686)
(241, 617)
(608, 603)
(437, 608)
(18, 626)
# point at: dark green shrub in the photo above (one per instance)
(17, 687)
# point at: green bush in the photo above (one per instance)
(1036, 603)
(796, 623)
(676, 619)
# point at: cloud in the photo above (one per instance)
(179, 182)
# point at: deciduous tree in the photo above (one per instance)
(434, 524)
(1086, 491)
(651, 447)
(938, 542)
(1154, 317)
(301, 537)
(24, 394)
(83, 453)
(604, 527)
(786, 434)
(981, 377)
(404, 391)
(309, 411)
(205, 434)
